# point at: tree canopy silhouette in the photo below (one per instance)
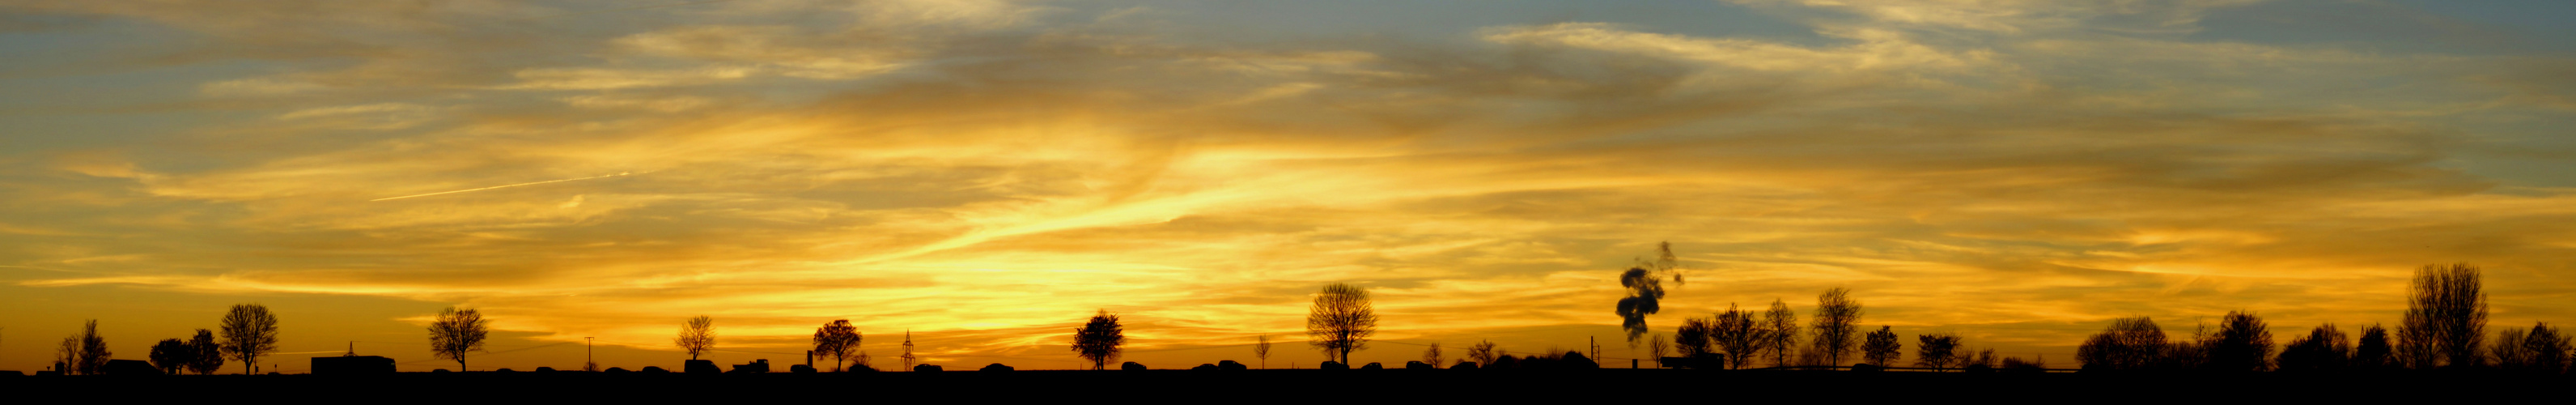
(1099, 338)
(2373, 352)
(1262, 351)
(456, 333)
(1780, 332)
(172, 355)
(1881, 348)
(2446, 318)
(837, 339)
(2132, 343)
(1695, 340)
(1431, 355)
(1836, 333)
(1938, 351)
(697, 336)
(2549, 348)
(1483, 352)
(2242, 343)
(209, 353)
(2322, 349)
(1734, 331)
(249, 331)
(1341, 320)
(92, 354)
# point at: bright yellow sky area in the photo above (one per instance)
(988, 173)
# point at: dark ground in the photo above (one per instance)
(1351, 386)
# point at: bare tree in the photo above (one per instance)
(93, 354)
(1483, 351)
(2373, 352)
(1262, 350)
(249, 331)
(2322, 349)
(1781, 332)
(837, 339)
(209, 353)
(456, 333)
(1836, 315)
(2508, 350)
(1984, 358)
(2446, 318)
(1735, 332)
(2549, 348)
(697, 336)
(1431, 356)
(1341, 320)
(1660, 346)
(171, 355)
(1881, 348)
(67, 356)
(1696, 340)
(2242, 343)
(1938, 351)
(1645, 290)
(2128, 344)
(1099, 338)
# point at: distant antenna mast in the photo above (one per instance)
(353, 349)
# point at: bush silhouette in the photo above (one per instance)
(657, 369)
(1373, 366)
(2322, 349)
(995, 367)
(695, 366)
(1463, 365)
(1229, 365)
(1131, 366)
(2128, 344)
(927, 368)
(1333, 365)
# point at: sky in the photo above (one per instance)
(985, 174)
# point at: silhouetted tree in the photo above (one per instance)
(1431, 356)
(456, 333)
(1262, 350)
(1341, 320)
(2373, 352)
(1781, 332)
(697, 336)
(2036, 364)
(1938, 351)
(1483, 351)
(249, 331)
(1660, 346)
(1836, 317)
(2190, 354)
(1645, 290)
(209, 353)
(171, 355)
(2446, 318)
(1983, 358)
(2242, 343)
(2322, 349)
(2128, 344)
(1098, 340)
(1696, 340)
(2549, 348)
(837, 339)
(2508, 350)
(1881, 348)
(93, 354)
(1735, 332)
(67, 356)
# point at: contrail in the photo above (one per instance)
(494, 187)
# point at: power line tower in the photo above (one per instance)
(587, 362)
(907, 350)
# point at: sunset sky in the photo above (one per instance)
(988, 173)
